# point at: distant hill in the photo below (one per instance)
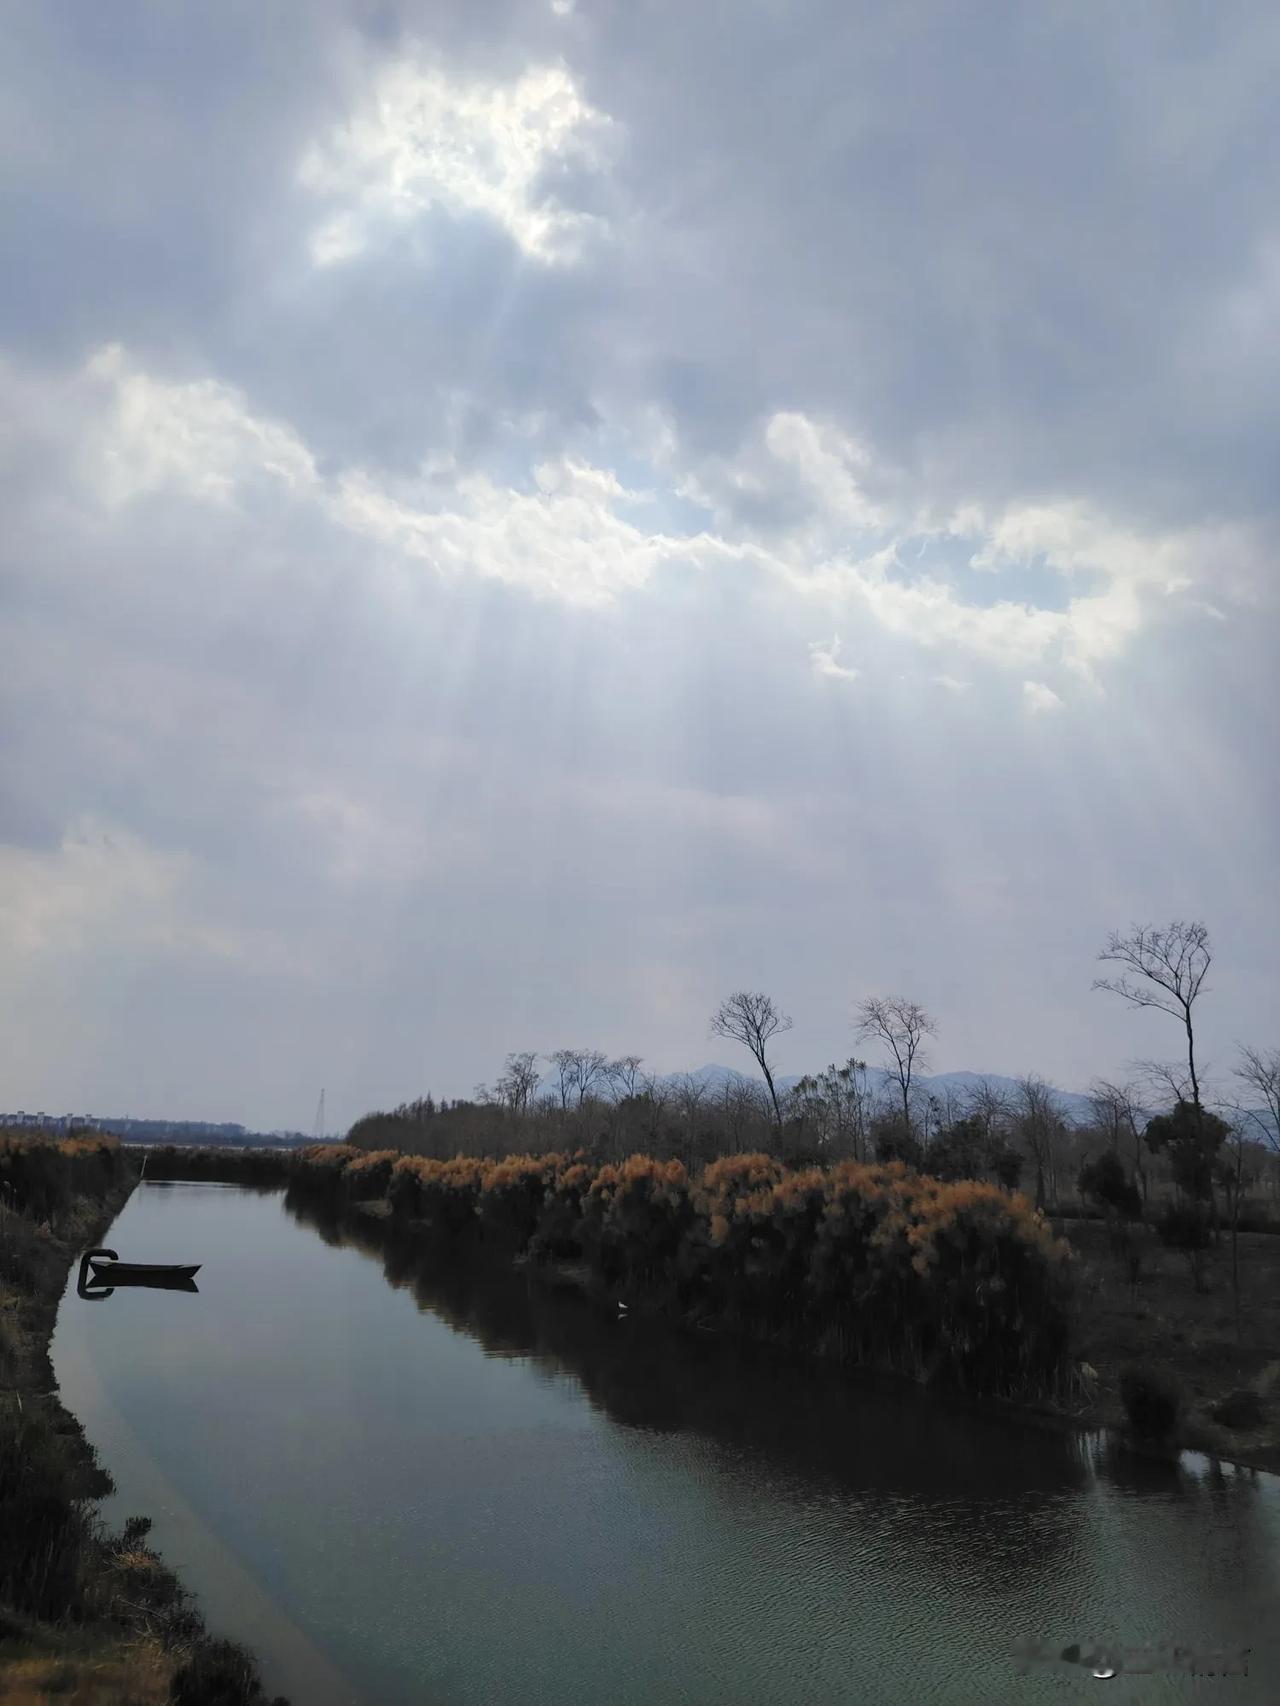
(1075, 1106)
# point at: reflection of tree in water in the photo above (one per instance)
(794, 1433)
(980, 1504)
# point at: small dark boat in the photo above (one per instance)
(109, 1270)
(140, 1273)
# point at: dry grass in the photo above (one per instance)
(133, 1674)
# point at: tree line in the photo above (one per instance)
(1158, 1131)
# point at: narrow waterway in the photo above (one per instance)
(408, 1487)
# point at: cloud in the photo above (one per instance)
(103, 887)
(825, 661)
(1039, 699)
(196, 437)
(569, 537)
(434, 437)
(424, 139)
(576, 533)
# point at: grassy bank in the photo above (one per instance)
(87, 1617)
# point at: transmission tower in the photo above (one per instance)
(320, 1119)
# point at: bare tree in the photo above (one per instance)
(1039, 1123)
(1120, 1115)
(519, 1082)
(624, 1075)
(752, 1020)
(1238, 1170)
(577, 1070)
(691, 1099)
(1165, 969)
(745, 1113)
(1260, 1074)
(952, 1104)
(1163, 1080)
(837, 1105)
(930, 1115)
(901, 1026)
(592, 1072)
(989, 1103)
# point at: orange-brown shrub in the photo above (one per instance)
(961, 1282)
(40, 1174)
(512, 1195)
(367, 1177)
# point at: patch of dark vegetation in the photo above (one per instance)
(1153, 1403)
(218, 1673)
(1241, 1409)
(268, 1168)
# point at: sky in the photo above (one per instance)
(524, 518)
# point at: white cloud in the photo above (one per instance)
(426, 140)
(952, 683)
(843, 527)
(1039, 699)
(829, 463)
(196, 437)
(574, 534)
(568, 542)
(567, 538)
(825, 660)
(104, 884)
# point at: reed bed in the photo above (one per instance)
(960, 1283)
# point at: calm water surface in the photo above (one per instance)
(402, 1486)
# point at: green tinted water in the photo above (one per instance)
(406, 1487)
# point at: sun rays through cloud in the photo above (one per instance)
(545, 528)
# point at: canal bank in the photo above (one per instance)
(85, 1614)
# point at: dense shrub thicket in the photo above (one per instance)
(266, 1167)
(960, 1282)
(1153, 1402)
(40, 1178)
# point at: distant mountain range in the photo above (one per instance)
(1074, 1105)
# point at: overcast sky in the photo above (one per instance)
(522, 518)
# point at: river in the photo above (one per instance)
(408, 1487)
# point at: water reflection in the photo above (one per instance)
(104, 1280)
(805, 1430)
(463, 1489)
(931, 1479)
